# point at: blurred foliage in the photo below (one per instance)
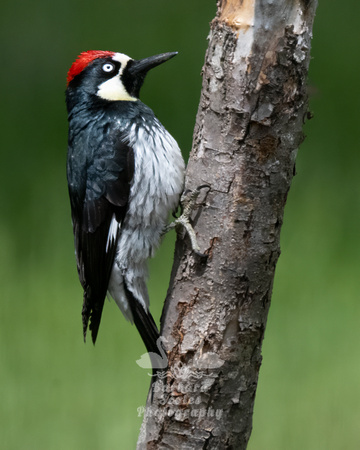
(56, 392)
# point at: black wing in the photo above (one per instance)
(99, 184)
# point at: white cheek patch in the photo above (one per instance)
(113, 89)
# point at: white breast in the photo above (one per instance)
(155, 191)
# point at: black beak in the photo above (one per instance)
(142, 66)
(136, 70)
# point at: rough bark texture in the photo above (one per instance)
(248, 129)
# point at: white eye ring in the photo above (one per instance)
(108, 67)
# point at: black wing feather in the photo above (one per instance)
(97, 265)
(99, 186)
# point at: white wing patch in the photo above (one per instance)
(114, 226)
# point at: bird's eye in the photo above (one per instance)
(108, 67)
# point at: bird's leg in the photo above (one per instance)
(187, 204)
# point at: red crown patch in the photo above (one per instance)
(83, 60)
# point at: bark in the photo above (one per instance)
(248, 129)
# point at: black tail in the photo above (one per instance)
(146, 327)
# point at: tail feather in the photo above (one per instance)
(144, 322)
(146, 326)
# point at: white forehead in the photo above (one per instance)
(121, 58)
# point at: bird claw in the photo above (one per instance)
(187, 204)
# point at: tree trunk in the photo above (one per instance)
(248, 129)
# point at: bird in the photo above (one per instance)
(125, 175)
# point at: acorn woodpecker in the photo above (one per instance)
(125, 174)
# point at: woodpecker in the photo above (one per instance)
(125, 175)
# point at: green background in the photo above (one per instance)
(58, 393)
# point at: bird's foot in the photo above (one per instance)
(187, 204)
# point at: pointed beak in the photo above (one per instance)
(142, 66)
